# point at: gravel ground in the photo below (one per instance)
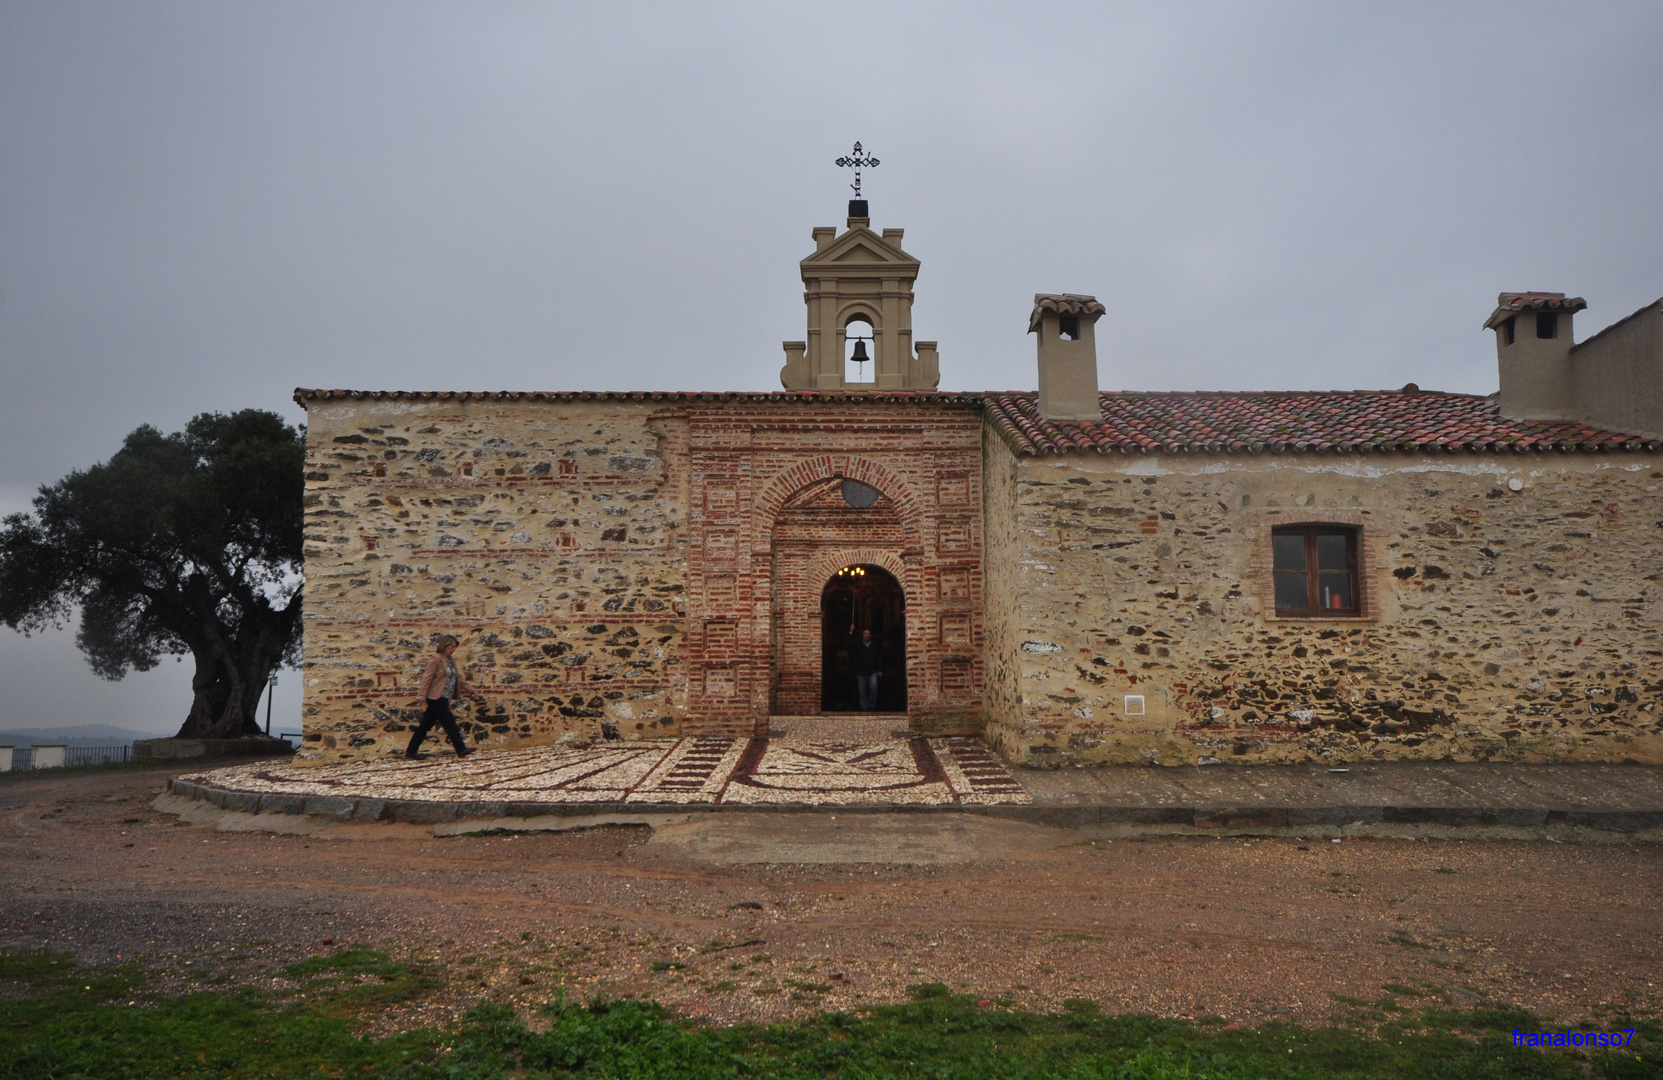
(1243, 929)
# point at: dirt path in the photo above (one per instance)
(1242, 929)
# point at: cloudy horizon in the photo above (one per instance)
(205, 205)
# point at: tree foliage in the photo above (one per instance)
(189, 542)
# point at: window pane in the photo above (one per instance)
(1332, 552)
(1334, 592)
(1288, 552)
(1290, 592)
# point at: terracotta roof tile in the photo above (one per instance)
(1063, 304)
(304, 395)
(1357, 421)
(1511, 303)
(1361, 421)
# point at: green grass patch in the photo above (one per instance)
(942, 1035)
(72, 1022)
(357, 979)
(62, 1021)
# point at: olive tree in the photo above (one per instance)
(181, 543)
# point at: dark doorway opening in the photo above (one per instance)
(865, 597)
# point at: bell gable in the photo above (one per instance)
(858, 291)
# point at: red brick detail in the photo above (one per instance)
(802, 566)
(1371, 538)
(829, 564)
(839, 467)
(767, 527)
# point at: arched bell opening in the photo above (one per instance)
(860, 351)
(858, 598)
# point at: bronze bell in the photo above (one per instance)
(860, 356)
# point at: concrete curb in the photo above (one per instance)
(414, 812)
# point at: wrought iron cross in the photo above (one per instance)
(858, 160)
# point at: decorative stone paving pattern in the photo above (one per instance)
(839, 774)
(609, 773)
(979, 778)
(692, 771)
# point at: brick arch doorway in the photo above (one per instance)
(866, 597)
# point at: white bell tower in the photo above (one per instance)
(858, 285)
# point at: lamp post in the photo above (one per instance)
(271, 688)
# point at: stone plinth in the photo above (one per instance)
(194, 748)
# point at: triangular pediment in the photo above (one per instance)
(861, 247)
(861, 253)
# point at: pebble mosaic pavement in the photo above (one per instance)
(813, 762)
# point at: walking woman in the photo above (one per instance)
(441, 682)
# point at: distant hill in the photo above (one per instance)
(77, 735)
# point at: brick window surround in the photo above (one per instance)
(1370, 538)
(1319, 563)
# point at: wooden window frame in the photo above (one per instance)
(1310, 531)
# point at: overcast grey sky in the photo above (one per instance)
(204, 205)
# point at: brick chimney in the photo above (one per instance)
(1067, 327)
(1533, 351)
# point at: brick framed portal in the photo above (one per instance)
(803, 565)
(767, 526)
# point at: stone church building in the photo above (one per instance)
(1076, 576)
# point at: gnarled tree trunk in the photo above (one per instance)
(232, 670)
(221, 706)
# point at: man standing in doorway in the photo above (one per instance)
(868, 661)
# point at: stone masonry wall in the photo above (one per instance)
(1497, 624)
(543, 534)
(609, 563)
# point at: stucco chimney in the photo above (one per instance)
(1067, 327)
(1533, 351)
